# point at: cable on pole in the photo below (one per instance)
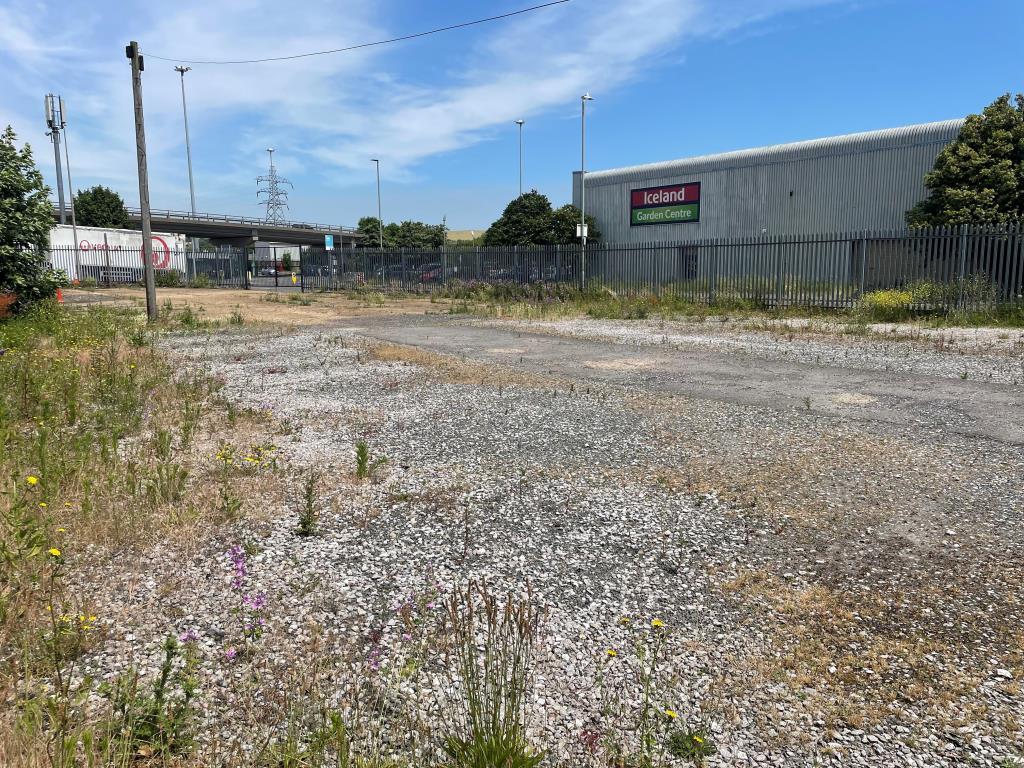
(367, 45)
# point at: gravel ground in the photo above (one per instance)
(836, 591)
(983, 354)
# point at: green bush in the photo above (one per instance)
(888, 305)
(168, 278)
(26, 217)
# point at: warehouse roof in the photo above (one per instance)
(852, 143)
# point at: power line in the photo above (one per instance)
(369, 45)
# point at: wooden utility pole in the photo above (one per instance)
(138, 65)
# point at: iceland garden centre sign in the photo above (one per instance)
(672, 204)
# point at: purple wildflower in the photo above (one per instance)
(188, 636)
(255, 602)
(237, 555)
(230, 654)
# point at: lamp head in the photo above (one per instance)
(587, 97)
(520, 122)
(183, 70)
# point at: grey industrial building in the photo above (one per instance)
(861, 181)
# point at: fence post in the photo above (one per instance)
(713, 278)
(106, 257)
(779, 259)
(444, 267)
(963, 267)
(863, 265)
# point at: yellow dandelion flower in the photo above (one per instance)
(698, 739)
(671, 714)
(54, 551)
(657, 623)
(612, 652)
(32, 480)
(42, 505)
(61, 530)
(625, 621)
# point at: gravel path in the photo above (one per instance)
(839, 588)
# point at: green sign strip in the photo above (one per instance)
(666, 214)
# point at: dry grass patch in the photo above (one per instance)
(456, 371)
(850, 661)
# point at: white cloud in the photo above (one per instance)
(326, 114)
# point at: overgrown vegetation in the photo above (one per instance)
(972, 301)
(97, 437)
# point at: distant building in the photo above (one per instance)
(459, 235)
(860, 181)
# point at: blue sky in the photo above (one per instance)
(671, 78)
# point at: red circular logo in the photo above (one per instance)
(161, 253)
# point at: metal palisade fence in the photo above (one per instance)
(935, 268)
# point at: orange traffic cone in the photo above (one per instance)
(60, 296)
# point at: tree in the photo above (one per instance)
(525, 221)
(408, 234)
(26, 217)
(101, 207)
(369, 228)
(530, 220)
(979, 177)
(565, 221)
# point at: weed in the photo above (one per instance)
(229, 506)
(309, 516)
(191, 411)
(365, 466)
(236, 318)
(486, 726)
(692, 745)
(158, 722)
(167, 484)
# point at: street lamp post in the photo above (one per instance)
(520, 124)
(583, 187)
(188, 144)
(380, 221)
(188, 153)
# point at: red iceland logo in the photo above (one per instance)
(161, 253)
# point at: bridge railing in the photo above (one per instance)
(168, 214)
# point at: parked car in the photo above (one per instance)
(391, 273)
(435, 273)
(267, 272)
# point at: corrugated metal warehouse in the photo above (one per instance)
(860, 181)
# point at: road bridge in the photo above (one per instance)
(241, 230)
